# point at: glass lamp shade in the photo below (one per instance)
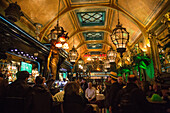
(56, 33)
(88, 59)
(120, 38)
(106, 64)
(65, 46)
(111, 54)
(58, 45)
(111, 59)
(62, 39)
(80, 61)
(73, 55)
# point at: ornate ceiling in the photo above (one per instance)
(91, 22)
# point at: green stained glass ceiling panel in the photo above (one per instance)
(94, 46)
(93, 35)
(91, 18)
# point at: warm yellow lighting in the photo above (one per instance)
(65, 46)
(128, 59)
(80, 66)
(62, 39)
(120, 64)
(58, 44)
(89, 59)
(148, 45)
(98, 69)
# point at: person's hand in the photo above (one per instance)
(89, 100)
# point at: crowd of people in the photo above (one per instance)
(78, 96)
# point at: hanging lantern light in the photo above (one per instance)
(58, 45)
(62, 39)
(111, 54)
(80, 61)
(73, 55)
(106, 64)
(65, 46)
(120, 37)
(58, 34)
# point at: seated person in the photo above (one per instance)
(90, 93)
(156, 90)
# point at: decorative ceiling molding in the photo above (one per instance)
(93, 42)
(113, 7)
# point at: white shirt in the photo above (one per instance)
(90, 93)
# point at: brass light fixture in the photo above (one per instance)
(120, 37)
(58, 34)
(73, 54)
(111, 54)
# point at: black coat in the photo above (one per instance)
(41, 100)
(18, 97)
(114, 89)
(73, 104)
(140, 104)
(106, 94)
(19, 88)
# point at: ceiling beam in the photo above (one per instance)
(74, 21)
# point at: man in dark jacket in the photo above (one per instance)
(114, 89)
(19, 88)
(41, 97)
(135, 100)
(107, 92)
(18, 94)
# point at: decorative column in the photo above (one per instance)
(155, 54)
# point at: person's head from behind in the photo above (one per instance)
(120, 80)
(89, 85)
(71, 88)
(39, 80)
(22, 75)
(132, 79)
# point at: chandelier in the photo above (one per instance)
(120, 37)
(73, 54)
(58, 35)
(111, 54)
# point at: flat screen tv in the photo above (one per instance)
(26, 67)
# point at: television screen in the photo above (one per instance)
(26, 67)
